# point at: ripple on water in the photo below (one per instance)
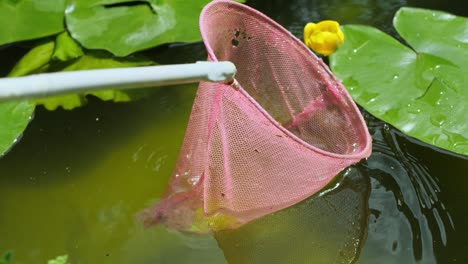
(407, 217)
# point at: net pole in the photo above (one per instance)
(47, 84)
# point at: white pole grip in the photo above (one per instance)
(46, 84)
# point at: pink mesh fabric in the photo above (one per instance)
(276, 136)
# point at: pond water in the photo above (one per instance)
(77, 178)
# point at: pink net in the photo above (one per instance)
(276, 136)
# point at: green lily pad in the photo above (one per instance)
(66, 48)
(35, 60)
(125, 26)
(421, 91)
(14, 117)
(434, 32)
(29, 19)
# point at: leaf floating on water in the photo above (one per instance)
(66, 48)
(30, 19)
(14, 117)
(433, 32)
(423, 91)
(141, 24)
(35, 60)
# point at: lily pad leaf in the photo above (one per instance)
(16, 115)
(35, 60)
(125, 26)
(30, 19)
(434, 32)
(14, 118)
(421, 91)
(66, 48)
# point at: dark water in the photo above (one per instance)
(75, 181)
(416, 204)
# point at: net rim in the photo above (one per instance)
(363, 152)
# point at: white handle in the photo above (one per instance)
(47, 84)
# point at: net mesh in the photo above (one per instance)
(276, 136)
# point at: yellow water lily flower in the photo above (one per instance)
(323, 37)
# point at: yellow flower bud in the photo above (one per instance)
(323, 37)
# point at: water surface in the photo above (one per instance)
(77, 178)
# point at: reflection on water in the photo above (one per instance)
(410, 220)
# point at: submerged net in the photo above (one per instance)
(276, 136)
